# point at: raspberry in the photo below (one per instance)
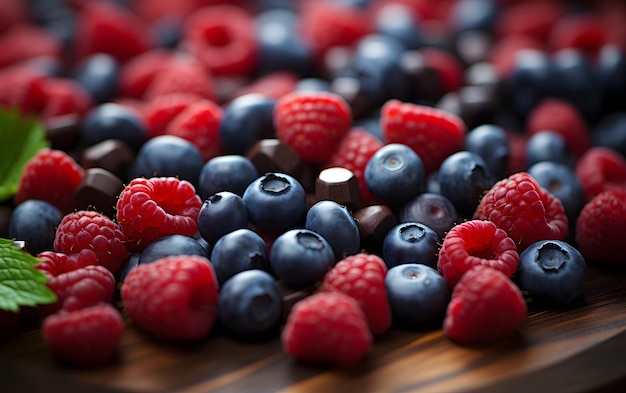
(223, 38)
(25, 42)
(327, 327)
(601, 169)
(51, 176)
(63, 96)
(12, 13)
(448, 68)
(137, 73)
(199, 123)
(81, 288)
(106, 27)
(485, 306)
(362, 277)
(91, 236)
(533, 19)
(181, 75)
(21, 89)
(172, 297)
(586, 32)
(51, 263)
(160, 111)
(524, 210)
(472, 243)
(601, 226)
(432, 133)
(85, 337)
(273, 85)
(148, 209)
(312, 123)
(561, 117)
(353, 153)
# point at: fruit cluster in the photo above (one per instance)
(382, 162)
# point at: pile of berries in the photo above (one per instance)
(386, 163)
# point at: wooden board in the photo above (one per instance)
(579, 348)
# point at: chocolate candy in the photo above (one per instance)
(425, 80)
(5, 219)
(98, 190)
(24, 246)
(340, 185)
(374, 222)
(352, 91)
(63, 131)
(112, 155)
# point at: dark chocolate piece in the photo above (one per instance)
(5, 220)
(339, 185)
(426, 84)
(374, 222)
(112, 155)
(63, 131)
(98, 191)
(272, 155)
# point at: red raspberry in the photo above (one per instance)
(472, 243)
(63, 96)
(327, 327)
(137, 73)
(91, 236)
(432, 133)
(148, 209)
(586, 32)
(362, 277)
(199, 123)
(601, 169)
(485, 306)
(524, 210)
(25, 42)
(85, 337)
(158, 10)
(51, 176)
(312, 123)
(601, 226)
(533, 19)
(181, 74)
(106, 27)
(160, 111)
(173, 297)
(353, 153)
(51, 263)
(12, 13)
(273, 85)
(22, 89)
(223, 38)
(562, 117)
(81, 288)
(449, 68)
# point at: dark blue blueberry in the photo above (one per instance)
(472, 15)
(397, 21)
(463, 179)
(411, 242)
(167, 32)
(56, 17)
(533, 78)
(490, 142)
(171, 245)
(563, 183)
(432, 183)
(548, 146)
(431, 209)
(552, 273)
(371, 124)
(610, 70)
(250, 303)
(98, 74)
(417, 293)
(232, 173)
(113, 121)
(168, 155)
(281, 48)
(128, 266)
(246, 120)
(220, 214)
(335, 223)
(313, 84)
(276, 202)
(35, 222)
(610, 131)
(395, 174)
(301, 257)
(242, 249)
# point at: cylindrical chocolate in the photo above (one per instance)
(340, 185)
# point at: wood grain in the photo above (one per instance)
(575, 349)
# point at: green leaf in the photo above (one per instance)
(20, 139)
(21, 284)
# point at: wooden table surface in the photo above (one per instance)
(580, 348)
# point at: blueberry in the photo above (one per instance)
(491, 143)
(301, 257)
(128, 266)
(533, 78)
(473, 15)
(171, 245)
(417, 293)
(610, 131)
(397, 21)
(220, 214)
(552, 272)
(276, 202)
(335, 223)
(250, 303)
(313, 84)
(610, 70)
(236, 251)
(411, 242)
(35, 222)
(168, 155)
(548, 146)
(246, 120)
(395, 174)
(463, 179)
(114, 121)
(563, 183)
(98, 74)
(232, 173)
(431, 209)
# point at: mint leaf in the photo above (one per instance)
(20, 283)
(20, 139)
